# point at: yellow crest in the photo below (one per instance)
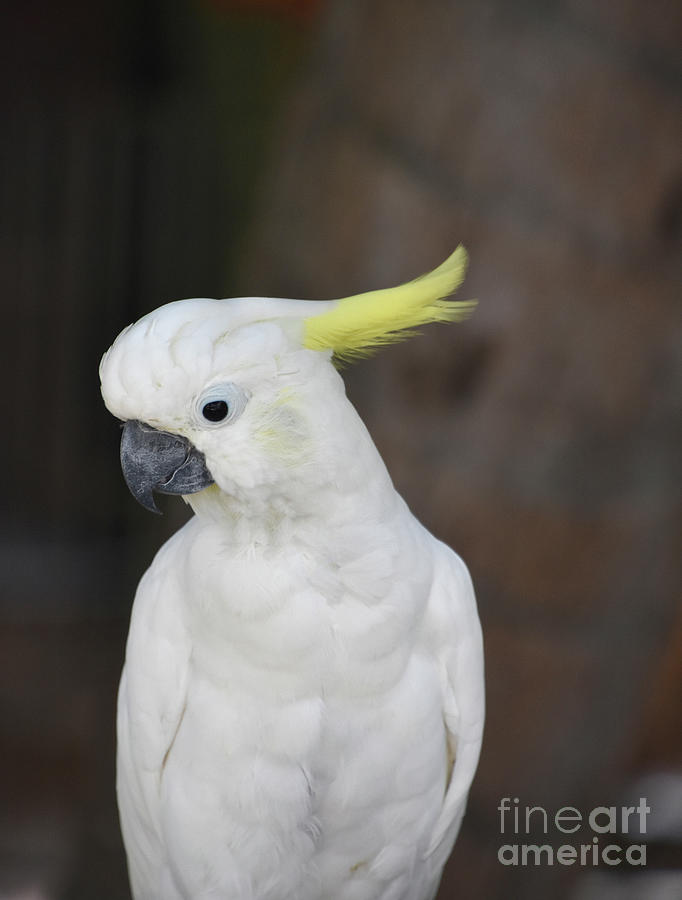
(356, 326)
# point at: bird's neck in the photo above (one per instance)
(350, 485)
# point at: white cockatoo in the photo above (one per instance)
(301, 707)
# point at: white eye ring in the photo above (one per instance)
(220, 404)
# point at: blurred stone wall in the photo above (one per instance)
(542, 438)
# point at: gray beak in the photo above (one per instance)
(158, 461)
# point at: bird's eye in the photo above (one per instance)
(215, 410)
(220, 404)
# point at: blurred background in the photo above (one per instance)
(157, 149)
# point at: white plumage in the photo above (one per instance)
(301, 707)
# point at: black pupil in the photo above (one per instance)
(215, 411)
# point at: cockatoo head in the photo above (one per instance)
(242, 393)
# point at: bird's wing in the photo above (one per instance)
(151, 704)
(456, 632)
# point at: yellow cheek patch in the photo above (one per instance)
(282, 433)
(356, 326)
(285, 396)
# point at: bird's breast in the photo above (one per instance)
(307, 790)
(292, 623)
(311, 723)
